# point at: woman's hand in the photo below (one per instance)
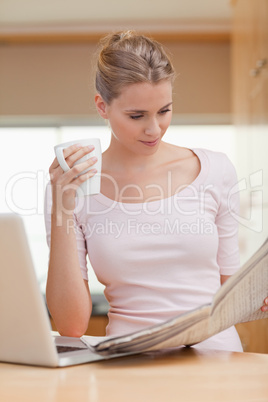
(264, 308)
(65, 184)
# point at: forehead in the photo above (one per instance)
(144, 95)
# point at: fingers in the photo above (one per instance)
(265, 305)
(79, 172)
(67, 152)
(80, 169)
(72, 154)
(84, 176)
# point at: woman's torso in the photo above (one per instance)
(156, 259)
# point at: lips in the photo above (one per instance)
(150, 143)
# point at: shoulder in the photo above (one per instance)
(212, 156)
(204, 155)
(183, 161)
(217, 162)
(174, 153)
(220, 171)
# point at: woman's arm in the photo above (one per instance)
(67, 293)
(224, 278)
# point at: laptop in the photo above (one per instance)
(25, 331)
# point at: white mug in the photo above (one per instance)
(92, 185)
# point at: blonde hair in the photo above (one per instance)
(126, 58)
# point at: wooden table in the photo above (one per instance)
(186, 375)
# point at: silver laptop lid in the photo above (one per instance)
(25, 335)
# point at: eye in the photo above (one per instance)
(136, 117)
(164, 111)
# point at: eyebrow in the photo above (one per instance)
(144, 111)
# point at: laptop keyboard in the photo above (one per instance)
(63, 349)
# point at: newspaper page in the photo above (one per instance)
(172, 333)
(194, 334)
(241, 299)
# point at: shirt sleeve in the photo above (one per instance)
(80, 238)
(226, 220)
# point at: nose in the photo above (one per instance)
(152, 127)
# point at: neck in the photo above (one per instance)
(120, 158)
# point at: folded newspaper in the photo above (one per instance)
(238, 300)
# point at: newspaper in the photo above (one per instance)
(238, 300)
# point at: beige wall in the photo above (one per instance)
(57, 80)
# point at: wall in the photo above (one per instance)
(250, 106)
(57, 80)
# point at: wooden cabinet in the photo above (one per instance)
(250, 92)
(254, 336)
(258, 89)
(250, 116)
(96, 326)
(250, 62)
(250, 89)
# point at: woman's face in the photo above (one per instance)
(140, 116)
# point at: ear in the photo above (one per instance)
(101, 106)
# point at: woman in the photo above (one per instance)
(161, 236)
